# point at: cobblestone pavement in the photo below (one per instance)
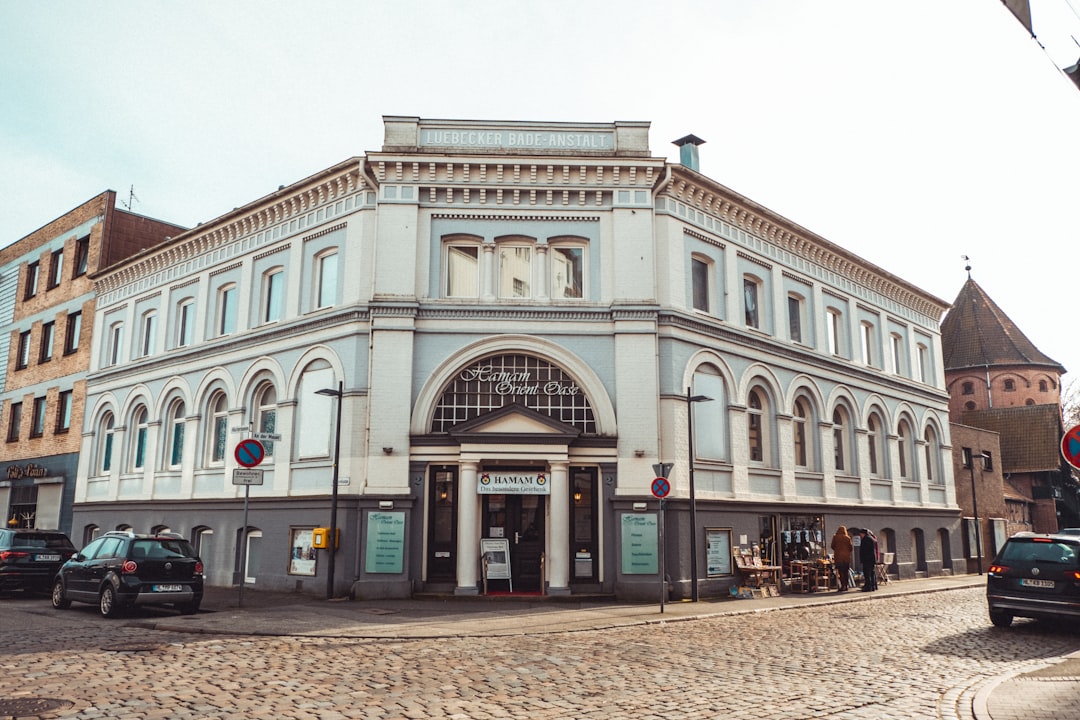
(905, 657)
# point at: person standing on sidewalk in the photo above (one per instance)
(868, 558)
(841, 547)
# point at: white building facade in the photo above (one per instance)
(519, 316)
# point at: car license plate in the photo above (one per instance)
(168, 588)
(1028, 582)
(48, 558)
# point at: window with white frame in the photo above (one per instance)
(842, 441)
(710, 431)
(567, 270)
(174, 435)
(226, 310)
(273, 295)
(106, 432)
(868, 343)
(933, 457)
(217, 429)
(463, 270)
(835, 329)
(875, 435)
(316, 412)
(924, 363)
(266, 413)
(326, 285)
(700, 272)
(515, 270)
(185, 323)
(757, 426)
(905, 448)
(116, 343)
(897, 344)
(149, 333)
(803, 420)
(796, 305)
(751, 298)
(138, 441)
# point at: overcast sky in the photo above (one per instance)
(910, 133)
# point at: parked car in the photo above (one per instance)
(121, 570)
(1069, 531)
(1035, 575)
(29, 558)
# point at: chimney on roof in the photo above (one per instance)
(688, 151)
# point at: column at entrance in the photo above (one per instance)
(559, 537)
(468, 538)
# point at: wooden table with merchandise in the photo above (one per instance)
(759, 575)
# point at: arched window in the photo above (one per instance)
(905, 448)
(217, 429)
(326, 279)
(266, 413)
(1042, 386)
(226, 309)
(933, 457)
(106, 432)
(758, 421)
(316, 412)
(700, 282)
(710, 432)
(842, 444)
(273, 295)
(803, 431)
(876, 439)
(174, 443)
(185, 322)
(138, 440)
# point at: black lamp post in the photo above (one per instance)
(975, 510)
(332, 542)
(690, 400)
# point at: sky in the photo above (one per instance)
(911, 133)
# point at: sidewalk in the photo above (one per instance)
(1050, 691)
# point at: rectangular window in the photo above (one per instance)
(328, 277)
(23, 358)
(15, 422)
(987, 461)
(140, 448)
(221, 434)
(106, 454)
(965, 457)
(63, 411)
(699, 279)
(275, 282)
(116, 340)
(176, 453)
(37, 427)
(897, 354)
(868, 343)
(56, 268)
(515, 271)
(835, 331)
(149, 334)
(567, 273)
(924, 367)
(463, 271)
(227, 311)
(82, 255)
(750, 303)
(31, 281)
(185, 324)
(794, 306)
(72, 332)
(48, 331)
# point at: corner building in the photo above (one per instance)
(519, 317)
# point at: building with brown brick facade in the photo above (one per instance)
(47, 304)
(1000, 382)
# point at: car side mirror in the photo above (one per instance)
(78, 557)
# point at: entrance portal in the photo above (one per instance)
(519, 519)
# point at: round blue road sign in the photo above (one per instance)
(249, 453)
(661, 487)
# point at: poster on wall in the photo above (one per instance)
(302, 555)
(385, 542)
(640, 534)
(717, 552)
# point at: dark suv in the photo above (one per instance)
(1036, 576)
(120, 570)
(30, 558)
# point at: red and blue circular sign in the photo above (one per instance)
(661, 487)
(249, 453)
(1070, 446)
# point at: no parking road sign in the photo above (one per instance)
(661, 487)
(249, 453)
(1070, 446)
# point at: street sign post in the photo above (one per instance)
(264, 436)
(1070, 446)
(249, 452)
(246, 476)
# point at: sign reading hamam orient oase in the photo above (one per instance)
(513, 483)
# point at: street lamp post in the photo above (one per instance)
(975, 510)
(332, 542)
(690, 400)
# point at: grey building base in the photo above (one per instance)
(638, 591)
(381, 590)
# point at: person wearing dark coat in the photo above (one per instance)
(868, 558)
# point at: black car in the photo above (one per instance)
(30, 558)
(120, 570)
(1036, 576)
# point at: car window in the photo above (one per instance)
(108, 548)
(1045, 552)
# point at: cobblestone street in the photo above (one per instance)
(912, 656)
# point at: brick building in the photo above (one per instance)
(999, 381)
(47, 306)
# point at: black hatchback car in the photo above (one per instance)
(1035, 576)
(30, 558)
(120, 570)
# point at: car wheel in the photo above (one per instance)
(58, 600)
(1000, 618)
(108, 604)
(188, 608)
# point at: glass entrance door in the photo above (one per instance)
(442, 525)
(519, 519)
